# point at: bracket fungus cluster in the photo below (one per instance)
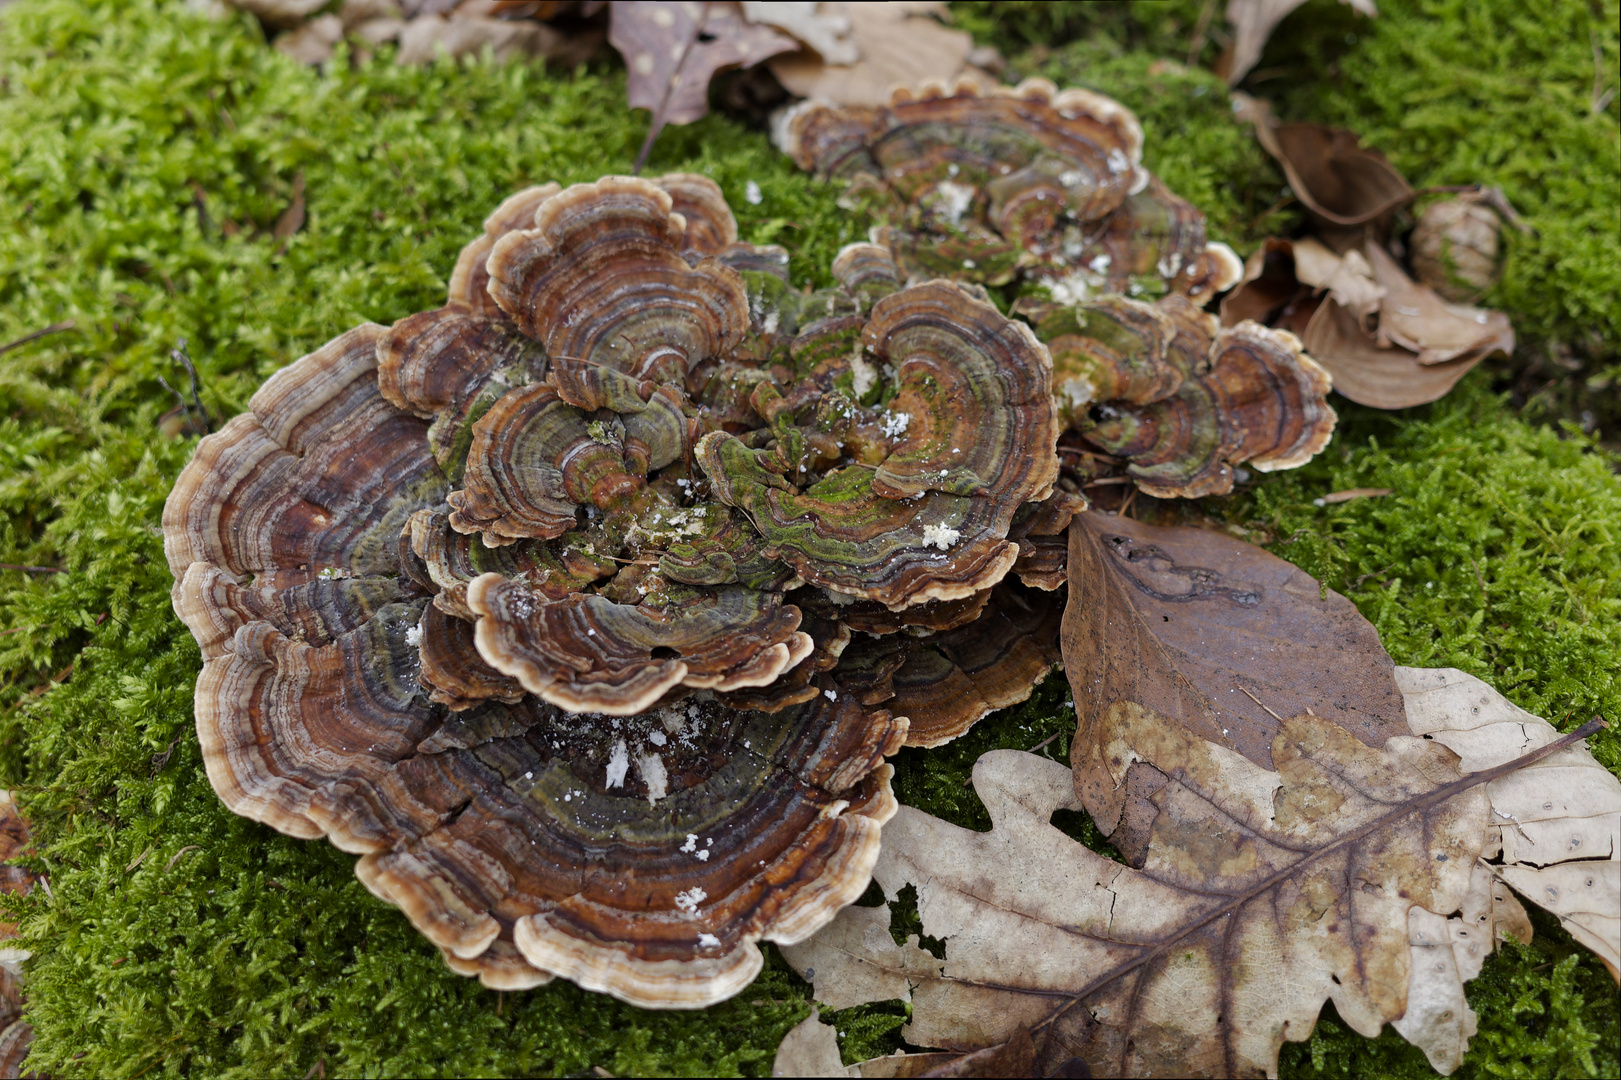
(543, 602)
(1030, 181)
(1046, 187)
(587, 607)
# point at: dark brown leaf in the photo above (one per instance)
(1216, 633)
(1340, 181)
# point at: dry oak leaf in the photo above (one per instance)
(1558, 821)
(825, 28)
(1264, 894)
(672, 50)
(811, 1048)
(899, 44)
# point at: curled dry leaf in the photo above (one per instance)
(1388, 341)
(1558, 822)
(1341, 182)
(899, 44)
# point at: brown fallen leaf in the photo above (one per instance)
(1219, 635)
(672, 50)
(312, 42)
(1339, 181)
(1558, 822)
(822, 28)
(1253, 22)
(280, 14)
(1266, 894)
(1350, 493)
(900, 44)
(427, 36)
(1361, 317)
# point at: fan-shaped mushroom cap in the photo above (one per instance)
(469, 281)
(533, 693)
(1155, 243)
(710, 227)
(973, 430)
(944, 682)
(589, 654)
(600, 279)
(322, 712)
(1249, 394)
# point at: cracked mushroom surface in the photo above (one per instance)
(533, 601)
(989, 185)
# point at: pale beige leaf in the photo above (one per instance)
(811, 1048)
(858, 961)
(1560, 819)
(1253, 22)
(311, 43)
(1414, 317)
(824, 28)
(900, 45)
(1258, 901)
(427, 36)
(1348, 278)
(281, 14)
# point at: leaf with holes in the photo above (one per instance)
(1264, 893)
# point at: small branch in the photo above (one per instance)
(180, 356)
(32, 569)
(54, 328)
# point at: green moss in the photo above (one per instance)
(178, 939)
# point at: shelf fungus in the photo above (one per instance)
(1028, 181)
(1182, 400)
(586, 608)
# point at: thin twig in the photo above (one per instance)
(32, 569)
(54, 328)
(1259, 702)
(179, 354)
(669, 91)
(176, 856)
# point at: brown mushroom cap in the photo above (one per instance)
(971, 428)
(1244, 394)
(500, 598)
(600, 279)
(312, 711)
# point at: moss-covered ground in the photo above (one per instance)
(148, 156)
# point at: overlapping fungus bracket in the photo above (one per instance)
(562, 604)
(988, 185)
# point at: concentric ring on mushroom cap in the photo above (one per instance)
(509, 833)
(600, 279)
(930, 522)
